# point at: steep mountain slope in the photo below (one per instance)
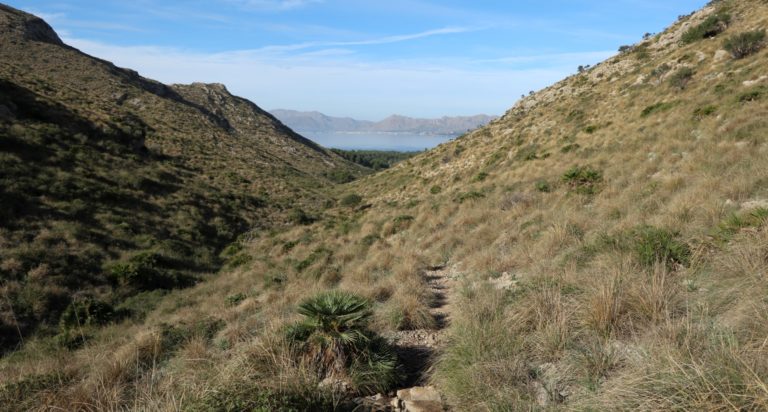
(605, 242)
(114, 185)
(318, 122)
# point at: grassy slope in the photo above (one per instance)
(114, 185)
(640, 285)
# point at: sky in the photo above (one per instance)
(360, 58)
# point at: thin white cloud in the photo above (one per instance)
(368, 42)
(275, 5)
(587, 57)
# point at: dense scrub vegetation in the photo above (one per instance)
(375, 159)
(91, 216)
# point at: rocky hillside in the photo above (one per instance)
(602, 246)
(114, 185)
(318, 122)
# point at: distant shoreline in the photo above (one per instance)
(428, 134)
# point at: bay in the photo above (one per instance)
(403, 142)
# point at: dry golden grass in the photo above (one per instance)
(587, 324)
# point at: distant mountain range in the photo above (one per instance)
(319, 122)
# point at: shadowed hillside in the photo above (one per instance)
(602, 246)
(114, 186)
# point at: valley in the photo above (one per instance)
(603, 245)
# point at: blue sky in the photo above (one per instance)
(363, 59)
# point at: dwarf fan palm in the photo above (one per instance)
(334, 329)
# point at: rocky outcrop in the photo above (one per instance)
(26, 26)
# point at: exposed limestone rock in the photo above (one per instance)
(750, 83)
(721, 55)
(418, 399)
(755, 204)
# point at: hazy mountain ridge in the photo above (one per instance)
(319, 122)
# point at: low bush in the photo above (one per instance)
(656, 107)
(710, 27)
(704, 111)
(351, 200)
(652, 245)
(298, 216)
(480, 176)
(471, 195)
(681, 78)
(751, 96)
(745, 44)
(583, 179)
(144, 271)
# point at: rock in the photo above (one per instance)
(419, 393)
(721, 55)
(750, 83)
(542, 396)
(755, 204)
(422, 406)
(418, 399)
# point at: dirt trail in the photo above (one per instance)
(417, 350)
(422, 344)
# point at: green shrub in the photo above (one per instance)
(369, 240)
(298, 216)
(704, 111)
(316, 255)
(435, 189)
(652, 245)
(751, 96)
(340, 176)
(710, 27)
(681, 78)
(543, 186)
(480, 176)
(144, 272)
(351, 200)
(657, 107)
(591, 129)
(403, 219)
(86, 312)
(745, 44)
(737, 221)
(472, 195)
(234, 300)
(570, 148)
(583, 179)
